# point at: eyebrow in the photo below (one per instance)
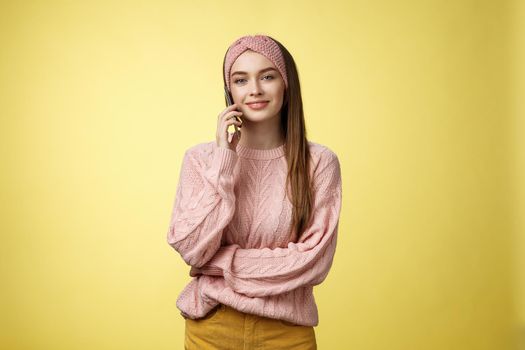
(262, 70)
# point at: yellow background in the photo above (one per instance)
(421, 100)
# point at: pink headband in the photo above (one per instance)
(258, 43)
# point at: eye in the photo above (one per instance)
(236, 81)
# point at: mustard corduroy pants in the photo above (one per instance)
(225, 328)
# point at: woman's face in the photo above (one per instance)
(257, 82)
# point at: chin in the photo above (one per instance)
(263, 112)
(259, 116)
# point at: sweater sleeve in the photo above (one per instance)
(263, 272)
(204, 204)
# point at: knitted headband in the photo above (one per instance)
(258, 43)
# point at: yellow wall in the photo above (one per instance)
(518, 165)
(99, 100)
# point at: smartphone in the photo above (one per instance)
(230, 102)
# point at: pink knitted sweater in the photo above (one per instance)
(231, 220)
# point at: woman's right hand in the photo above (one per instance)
(224, 120)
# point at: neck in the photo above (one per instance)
(262, 135)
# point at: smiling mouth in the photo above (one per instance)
(257, 105)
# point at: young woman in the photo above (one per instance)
(256, 212)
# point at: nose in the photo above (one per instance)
(256, 88)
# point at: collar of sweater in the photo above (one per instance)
(256, 153)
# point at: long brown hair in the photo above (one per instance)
(297, 151)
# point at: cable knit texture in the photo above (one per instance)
(231, 222)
